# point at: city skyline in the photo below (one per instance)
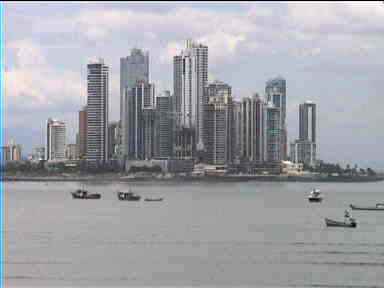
(337, 107)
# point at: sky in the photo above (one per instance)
(329, 53)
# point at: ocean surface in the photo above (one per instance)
(203, 234)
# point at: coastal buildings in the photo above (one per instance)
(218, 125)
(200, 122)
(149, 132)
(190, 76)
(252, 129)
(237, 124)
(272, 134)
(97, 112)
(140, 111)
(82, 136)
(307, 121)
(11, 151)
(275, 92)
(184, 143)
(38, 153)
(303, 150)
(133, 68)
(164, 125)
(113, 140)
(55, 140)
(71, 152)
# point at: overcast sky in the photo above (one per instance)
(329, 53)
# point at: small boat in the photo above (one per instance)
(378, 207)
(348, 221)
(153, 199)
(332, 223)
(315, 196)
(128, 196)
(83, 194)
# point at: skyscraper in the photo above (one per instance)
(83, 133)
(218, 126)
(237, 116)
(55, 140)
(189, 78)
(272, 138)
(113, 139)
(275, 91)
(307, 123)
(149, 133)
(252, 129)
(303, 150)
(97, 112)
(164, 125)
(133, 68)
(139, 99)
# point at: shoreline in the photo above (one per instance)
(177, 179)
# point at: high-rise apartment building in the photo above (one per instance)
(82, 136)
(113, 139)
(55, 140)
(275, 91)
(307, 121)
(252, 129)
(133, 68)
(164, 125)
(237, 116)
(139, 99)
(303, 150)
(189, 78)
(97, 112)
(272, 137)
(149, 133)
(218, 126)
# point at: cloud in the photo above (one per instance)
(35, 90)
(33, 84)
(221, 45)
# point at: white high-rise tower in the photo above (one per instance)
(55, 145)
(190, 77)
(97, 112)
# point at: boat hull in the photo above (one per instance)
(314, 199)
(368, 208)
(128, 197)
(90, 196)
(153, 200)
(333, 223)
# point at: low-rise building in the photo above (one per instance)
(292, 169)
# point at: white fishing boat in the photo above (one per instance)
(315, 196)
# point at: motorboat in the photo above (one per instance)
(83, 194)
(128, 196)
(377, 207)
(315, 196)
(153, 199)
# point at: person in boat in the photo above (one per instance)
(346, 214)
(348, 218)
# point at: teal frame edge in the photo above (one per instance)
(2, 67)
